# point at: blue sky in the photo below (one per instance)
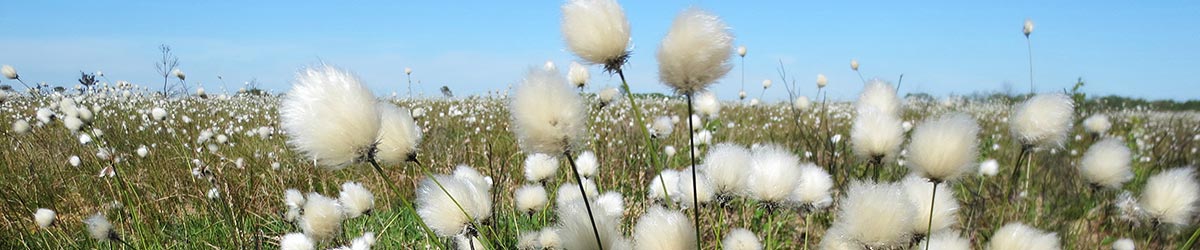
(1134, 48)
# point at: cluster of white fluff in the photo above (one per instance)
(587, 164)
(569, 192)
(294, 200)
(813, 187)
(728, 166)
(1017, 236)
(356, 200)
(539, 167)
(944, 148)
(945, 240)
(398, 134)
(663, 229)
(322, 217)
(700, 191)
(578, 75)
(876, 134)
(1043, 120)
(547, 116)
(876, 214)
(774, 172)
(945, 207)
(574, 230)
(1097, 124)
(611, 204)
(530, 198)
(99, 228)
(596, 31)
(881, 96)
(608, 95)
(664, 185)
(448, 204)
(1106, 163)
(706, 103)
(802, 103)
(741, 239)
(296, 241)
(695, 52)
(9, 72)
(1170, 196)
(44, 218)
(330, 116)
(989, 167)
(662, 127)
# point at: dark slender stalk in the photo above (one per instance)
(692, 152)
(586, 203)
(929, 227)
(1016, 174)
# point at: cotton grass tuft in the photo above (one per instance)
(1106, 164)
(695, 52)
(330, 116)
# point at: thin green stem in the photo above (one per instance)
(1029, 46)
(692, 152)
(586, 203)
(929, 227)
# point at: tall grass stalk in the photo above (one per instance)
(586, 203)
(692, 152)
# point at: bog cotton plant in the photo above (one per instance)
(399, 134)
(1043, 120)
(597, 31)
(1097, 124)
(578, 75)
(451, 205)
(1106, 164)
(575, 230)
(331, 117)
(1017, 236)
(942, 149)
(539, 167)
(881, 96)
(356, 200)
(322, 217)
(44, 218)
(876, 135)
(1170, 196)
(530, 198)
(728, 165)
(741, 239)
(296, 241)
(812, 190)
(774, 173)
(660, 228)
(921, 194)
(877, 215)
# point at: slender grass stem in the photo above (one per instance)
(586, 203)
(692, 153)
(1191, 240)
(932, 203)
(1029, 46)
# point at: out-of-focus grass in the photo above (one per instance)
(166, 207)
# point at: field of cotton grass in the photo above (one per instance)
(555, 163)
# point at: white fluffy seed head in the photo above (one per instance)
(330, 116)
(569, 192)
(662, 127)
(802, 103)
(587, 164)
(611, 204)
(363, 242)
(528, 241)
(728, 165)
(876, 214)
(99, 228)
(1097, 124)
(1028, 27)
(439, 210)
(1123, 244)
(741, 50)
(881, 96)
(741, 239)
(356, 200)
(465, 242)
(944, 148)
(990, 167)
(574, 229)
(9, 72)
(596, 31)
(473, 176)
(1043, 120)
(539, 167)
(876, 134)
(608, 95)
(813, 187)
(548, 238)
(578, 75)
(666, 183)
(703, 188)
(44, 218)
(695, 52)
(158, 113)
(706, 103)
(399, 134)
(296, 241)
(945, 240)
(1017, 236)
(822, 81)
(322, 218)
(1106, 163)
(73, 124)
(663, 229)
(293, 198)
(854, 64)
(774, 174)
(530, 198)
(20, 127)
(920, 194)
(1170, 196)
(547, 115)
